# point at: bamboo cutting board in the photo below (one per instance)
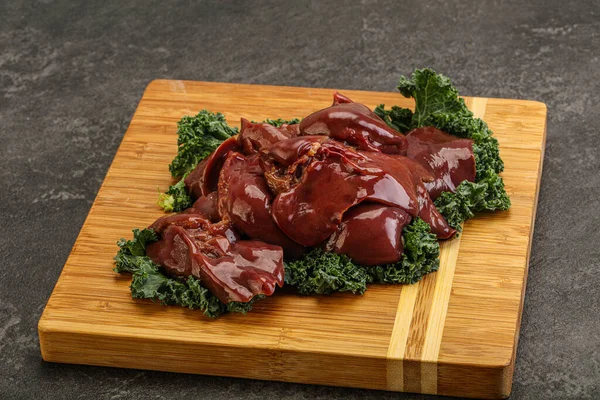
(454, 333)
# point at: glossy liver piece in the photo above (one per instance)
(204, 178)
(231, 271)
(245, 200)
(370, 234)
(355, 124)
(259, 137)
(448, 158)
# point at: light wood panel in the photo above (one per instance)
(453, 333)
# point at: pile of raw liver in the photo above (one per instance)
(341, 179)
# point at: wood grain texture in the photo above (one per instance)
(453, 333)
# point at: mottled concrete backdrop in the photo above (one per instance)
(72, 73)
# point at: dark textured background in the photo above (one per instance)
(72, 73)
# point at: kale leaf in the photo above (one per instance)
(421, 256)
(149, 282)
(126, 258)
(176, 198)
(486, 194)
(435, 97)
(198, 136)
(322, 272)
(487, 157)
(397, 118)
(280, 121)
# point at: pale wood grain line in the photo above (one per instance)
(399, 336)
(448, 254)
(439, 306)
(417, 332)
(477, 105)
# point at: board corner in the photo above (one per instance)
(505, 372)
(46, 330)
(538, 106)
(508, 369)
(150, 86)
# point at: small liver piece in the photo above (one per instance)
(232, 271)
(448, 158)
(204, 178)
(370, 234)
(355, 124)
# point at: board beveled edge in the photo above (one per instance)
(49, 332)
(511, 365)
(266, 363)
(453, 379)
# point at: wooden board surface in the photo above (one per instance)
(453, 333)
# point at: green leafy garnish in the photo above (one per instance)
(149, 282)
(198, 136)
(487, 156)
(280, 121)
(126, 258)
(322, 272)
(487, 194)
(421, 256)
(435, 97)
(397, 118)
(176, 198)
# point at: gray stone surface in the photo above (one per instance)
(71, 74)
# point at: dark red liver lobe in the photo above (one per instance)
(231, 270)
(355, 124)
(258, 137)
(449, 159)
(431, 215)
(245, 200)
(370, 234)
(403, 169)
(207, 206)
(287, 152)
(204, 178)
(191, 220)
